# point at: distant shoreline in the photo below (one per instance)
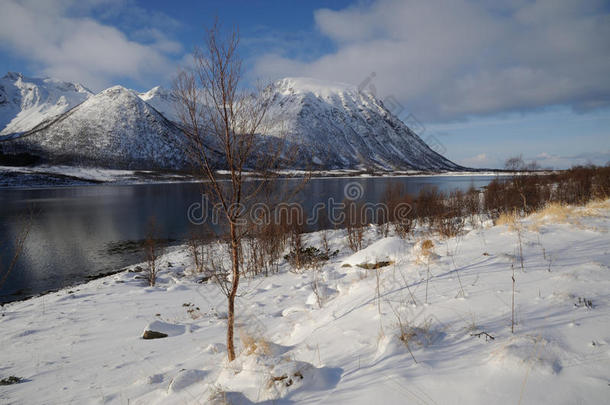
(47, 176)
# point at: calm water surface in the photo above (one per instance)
(75, 231)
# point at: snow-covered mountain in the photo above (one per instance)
(333, 125)
(162, 100)
(27, 102)
(336, 126)
(114, 128)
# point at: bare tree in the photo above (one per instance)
(223, 127)
(514, 163)
(151, 253)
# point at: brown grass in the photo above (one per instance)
(509, 219)
(427, 247)
(254, 344)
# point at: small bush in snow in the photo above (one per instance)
(151, 252)
(307, 257)
(254, 344)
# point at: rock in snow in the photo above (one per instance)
(151, 334)
(160, 329)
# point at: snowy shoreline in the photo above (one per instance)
(41, 177)
(83, 343)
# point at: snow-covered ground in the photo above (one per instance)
(84, 345)
(59, 175)
(92, 174)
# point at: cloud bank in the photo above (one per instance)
(449, 59)
(61, 39)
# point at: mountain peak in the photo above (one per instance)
(155, 91)
(26, 102)
(162, 100)
(13, 75)
(114, 128)
(337, 126)
(116, 89)
(318, 87)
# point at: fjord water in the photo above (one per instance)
(78, 232)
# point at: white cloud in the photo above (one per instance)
(62, 40)
(448, 59)
(544, 159)
(548, 160)
(157, 40)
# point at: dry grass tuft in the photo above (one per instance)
(424, 252)
(509, 219)
(254, 344)
(555, 212)
(427, 247)
(561, 213)
(593, 208)
(420, 335)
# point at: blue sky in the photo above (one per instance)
(485, 80)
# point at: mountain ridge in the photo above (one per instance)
(343, 127)
(26, 102)
(114, 128)
(334, 126)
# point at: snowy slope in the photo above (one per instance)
(162, 100)
(114, 128)
(340, 127)
(83, 344)
(26, 102)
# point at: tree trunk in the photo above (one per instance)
(232, 293)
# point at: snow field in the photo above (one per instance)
(373, 340)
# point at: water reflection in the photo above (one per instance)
(72, 228)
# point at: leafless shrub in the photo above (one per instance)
(405, 333)
(530, 193)
(406, 284)
(315, 287)
(399, 206)
(325, 225)
(295, 242)
(264, 246)
(472, 206)
(325, 243)
(512, 317)
(196, 243)
(520, 240)
(427, 250)
(450, 221)
(429, 206)
(151, 252)
(354, 224)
